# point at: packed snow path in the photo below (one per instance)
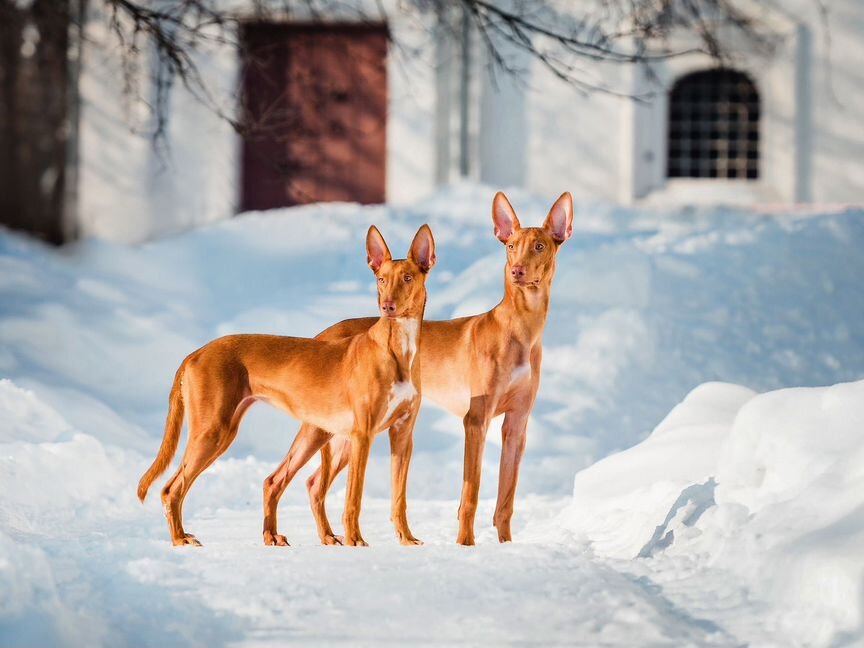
(122, 584)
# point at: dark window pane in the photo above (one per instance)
(713, 126)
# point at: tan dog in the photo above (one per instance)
(479, 367)
(350, 388)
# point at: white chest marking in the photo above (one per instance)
(408, 329)
(399, 393)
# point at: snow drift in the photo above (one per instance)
(768, 486)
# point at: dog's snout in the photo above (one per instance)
(388, 307)
(517, 272)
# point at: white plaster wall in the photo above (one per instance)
(196, 180)
(113, 162)
(411, 108)
(573, 138)
(838, 103)
(503, 131)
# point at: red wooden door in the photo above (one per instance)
(315, 114)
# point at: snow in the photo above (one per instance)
(769, 487)
(738, 520)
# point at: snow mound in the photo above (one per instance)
(66, 479)
(26, 418)
(769, 487)
(618, 501)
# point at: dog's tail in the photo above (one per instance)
(173, 427)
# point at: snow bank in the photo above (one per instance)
(769, 487)
(620, 501)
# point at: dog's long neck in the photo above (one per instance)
(523, 310)
(400, 336)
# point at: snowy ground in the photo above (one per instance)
(737, 521)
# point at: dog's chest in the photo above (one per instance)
(406, 333)
(401, 393)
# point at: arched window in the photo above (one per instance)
(713, 126)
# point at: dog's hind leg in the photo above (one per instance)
(209, 437)
(197, 458)
(334, 459)
(309, 440)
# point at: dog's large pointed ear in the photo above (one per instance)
(423, 249)
(377, 251)
(559, 222)
(504, 217)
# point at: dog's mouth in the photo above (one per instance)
(526, 283)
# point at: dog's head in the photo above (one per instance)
(401, 282)
(531, 251)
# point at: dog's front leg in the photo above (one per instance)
(476, 423)
(401, 448)
(307, 442)
(514, 435)
(361, 444)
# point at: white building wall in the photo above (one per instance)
(503, 117)
(837, 74)
(411, 114)
(113, 162)
(574, 138)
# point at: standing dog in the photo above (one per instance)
(351, 388)
(479, 367)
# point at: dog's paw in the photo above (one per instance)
(410, 542)
(408, 539)
(188, 540)
(355, 542)
(503, 528)
(332, 539)
(465, 539)
(275, 540)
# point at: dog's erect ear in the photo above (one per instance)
(504, 217)
(559, 222)
(423, 249)
(376, 249)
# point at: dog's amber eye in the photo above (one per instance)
(381, 280)
(407, 278)
(539, 247)
(509, 246)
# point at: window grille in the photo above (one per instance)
(713, 126)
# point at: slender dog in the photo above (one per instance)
(478, 367)
(350, 388)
